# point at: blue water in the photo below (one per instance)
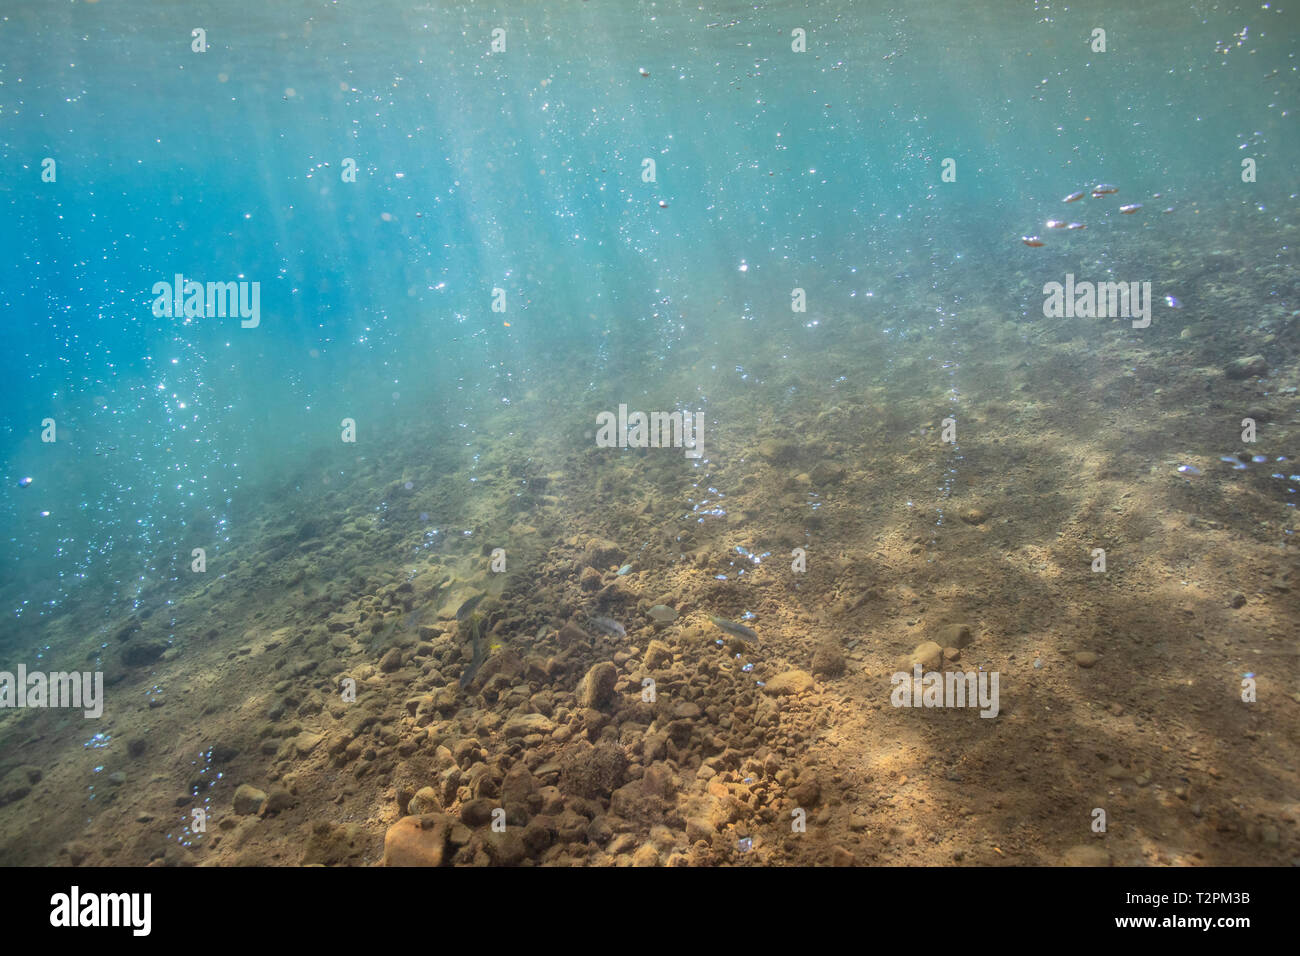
(522, 170)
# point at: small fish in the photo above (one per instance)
(1055, 224)
(1076, 225)
(737, 630)
(479, 657)
(644, 71)
(1130, 208)
(24, 482)
(1104, 189)
(609, 626)
(468, 607)
(1031, 241)
(625, 569)
(1074, 197)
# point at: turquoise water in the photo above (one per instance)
(523, 170)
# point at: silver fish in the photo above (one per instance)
(609, 626)
(731, 627)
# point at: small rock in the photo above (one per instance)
(657, 655)
(597, 688)
(974, 516)
(521, 725)
(278, 799)
(478, 812)
(249, 800)
(1089, 854)
(1246, 367)
(1086, 659)
(417, 841)
(928, 654)
(790, 683)
(1238, 599)
(646, 855)
(828, 660)
(305, 743)
(955, 635)
(391, 661)
(424, 801)
(141, 652)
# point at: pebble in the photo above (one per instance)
(828, 660)
(1247, 367)
(955, 635)
(792, 682)
(1086, 659)
(249, 800)
(657, 655)
(521, 725)
(597, 688)
(424, 801)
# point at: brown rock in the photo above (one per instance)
(955, 635)
(476, 813)
(248, 799)
(571, 635)
(417, 841)
(657, 655)
(929, 655)
(841, 857)
(828, 660)
(602, 553)
(806, 792)
(597, 688)
(592, 772)
(521, 725)
(424, 801)
(1086, 659)
(791, 682)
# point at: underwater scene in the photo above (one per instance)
(704, 433)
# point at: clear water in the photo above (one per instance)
(521, 170)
